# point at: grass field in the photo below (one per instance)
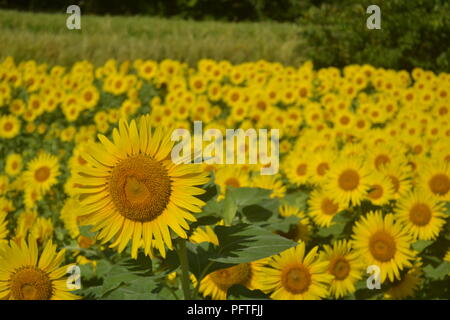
(45, 38)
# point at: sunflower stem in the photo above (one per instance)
(182, 255)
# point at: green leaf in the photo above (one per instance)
(438, 273)
(212, 208)
(199, 258)
(103, 268)
(283, 224)
(94, 292)
(229, 208)
(86, 231)
(248, 196)
(420, 245)
(87, 271)
(297, 199)
(334, 230)
(246, 243)
(138, 289)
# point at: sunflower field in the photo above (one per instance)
(93, 207)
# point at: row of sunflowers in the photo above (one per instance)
(86, 180)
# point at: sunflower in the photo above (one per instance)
(131, 190)
(298, 168)
(422, 214)
(383, 242)
(347, 181)
(323, 208)
(42, 172)
(25, 277)
(408, 284)
(435, 178)
(9, 126)
(381, 189)
(292, 276)
(344, 265)
(13, 164)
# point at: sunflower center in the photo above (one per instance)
(296, 280)
(420, 214)
(349, 180)
(340, 268)
(382, 246)
(329, 207)
(440, 184)
(233, 182)
(30, 283)
(8, 126)
(225, 278)
(322, 168)
(301, 169)
(42, 174)
(140, 188)
(376, 192)
(381, 160)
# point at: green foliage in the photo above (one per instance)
(414, 33)
(246, 243)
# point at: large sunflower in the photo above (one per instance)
(24, 277)
(422, 213)
(131, 189)
(42, 172)
(292, 276)
(383, 242)
(344, 265)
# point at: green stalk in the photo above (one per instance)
(182, 255)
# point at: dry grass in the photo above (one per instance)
(45, 38)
